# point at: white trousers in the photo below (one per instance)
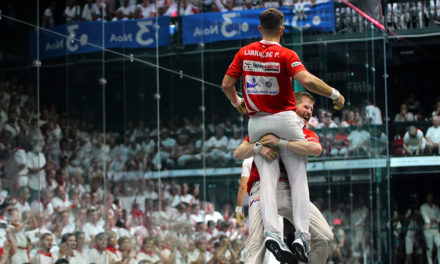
(321, 234)
(432, 236)
(287, 125)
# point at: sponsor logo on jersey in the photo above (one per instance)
(256, 66)
(264, 85)
(296, 63)
(257, 199)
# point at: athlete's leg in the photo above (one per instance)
(287, 125)
(321, 234)
(296, 166)
(255, 243)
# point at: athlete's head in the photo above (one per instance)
(304, 105)
(271, 22)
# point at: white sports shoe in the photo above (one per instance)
(301, 248)
(275, 244)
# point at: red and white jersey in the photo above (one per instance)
(255, 176)
(267, 69)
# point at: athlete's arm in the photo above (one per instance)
(246, 150)
(228, 87)
(240, 200)
(242, 191)
(302, 147)
(316, 85)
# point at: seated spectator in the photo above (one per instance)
(48, 17)
(325, 120)
(184, 151)
(68, 247)
(137, 13)
(233, 143)
(72, 12)
(340, 143)
(404, 115)
(186, 8)
(21, 201)
(216, 147)
(359, 140)
(126, 10)
(378, 143)
(44, 256)
(414, 142)
(80, 253)
(12, 124)
(98, 254)
(372, 114)
(348, 118)
(18, 230)
(166, 146)
(94, 226)
(433, 135)
(149, 251)
(148, 9)
(90, 11)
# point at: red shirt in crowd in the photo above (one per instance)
(267, 70)
(255, 176)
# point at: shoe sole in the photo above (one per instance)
(280, 255)
(299, 253)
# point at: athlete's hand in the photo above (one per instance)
(240, 218)
(270, 141)
(268, 152)
(242, 108)
(338, 104)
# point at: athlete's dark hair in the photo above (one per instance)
(300, 95)
(271, 21)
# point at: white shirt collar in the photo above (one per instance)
(269, 42)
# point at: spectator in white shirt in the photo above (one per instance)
(21, 201)
(414, 142)
(36, 162)
(217, 147)
(94, 226)
(359, 140)
(166, 145)
(148, 9)
(431, 216)
(126, 9)
(72, 12)
(404, 115)
(48, 18)
(90, 11)
(373, 115)
(60, 202)
(44, 255)
(98, 254)
(433, 135)
(233, 143)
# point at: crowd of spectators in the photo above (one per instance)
(56, 201)
(413, 135)
(92, 10)
(401, 15)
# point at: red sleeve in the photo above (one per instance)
(293, 63)
(246, 139)
(311, 136)
(235, 69)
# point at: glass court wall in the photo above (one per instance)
(120, 147)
